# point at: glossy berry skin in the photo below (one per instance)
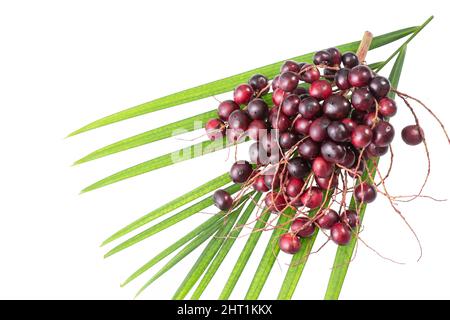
(215, 129)
(373, 151)
(359, 76)
(371, 119)
(298, 167)
(312, 197)
(335, 56)
(336, 107)
(272, 181)
(327, 183)
(226, 108)
(341, 79)
(301, 126)
(412, 135)
(327, 218)
(239, 120)
(287, 140)
(303, 227)
(309, 108)
(290, 65)
(289, 243)
(322, 168)
(280, 121)
(278, 96)
(349, 159)
(260, 185)
(340, 234)
(362, 99)
(318, 129)
(301, 91)
(379, 86)
(383, 134)
(275, 82)
(361, 136)
(240, 171)
(309, 73)
(294, 187)
(320, 89)
(288, 81)
(259, 84)
(257, 129)
(323, 57)
(258, 109)
(350, 218)
(365, 192)
(243, 94)
(338, 132)
(350, 124)
(289, 106)
(332, 152)
(308, 149)
(222, 200)
(349, 60)
(387, 107)
(275, 202)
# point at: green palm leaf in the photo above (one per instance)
(244, 256)
(226, 84)
(344, 253)
(269, 256)
(192, 246)
(182, 215)
(226, 247)
(208, 187)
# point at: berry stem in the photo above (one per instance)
(364, 46)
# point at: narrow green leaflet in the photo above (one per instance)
(269, 256)
(170, 130)
(344, 253)
(182, 215)
(245, 255)
(299, 260)
(205, 188)
(206, 257)
(226, 247)
(210, 224)
(191, 247)
(226, 84)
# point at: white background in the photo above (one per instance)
(65, 63)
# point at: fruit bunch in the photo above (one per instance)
(316, 128)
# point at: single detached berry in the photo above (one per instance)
(289, 243)
(336, 107)
(243, 94)
(258, 109)
(412, 135)
(340, 234)
(303, 227)
(226, 108)
(240, 171)
(349, 60)
(223, 200)
(320, 89)
(215, 129)
(365, 192)
(327, 218)
(359, 76)
(312, 197)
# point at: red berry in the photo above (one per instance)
(309, 73)
(289, 243)
(320, 89)
(275, 202)
(289, 106)
(215, 129)
(361, 136)
(365, 192)
(327, 218)
(412, 135)
(327, 183)
(301, 126)
(312, 197)
(259, 184)
(350, 218)
(303, 227)
(340, 234)
(387, 107)
(243, 94)
(359, 76)
(257, 129)
(322, 168)
(294, 186)
(240, 171)
(222, 200)
(278, 96)
(226, 108)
